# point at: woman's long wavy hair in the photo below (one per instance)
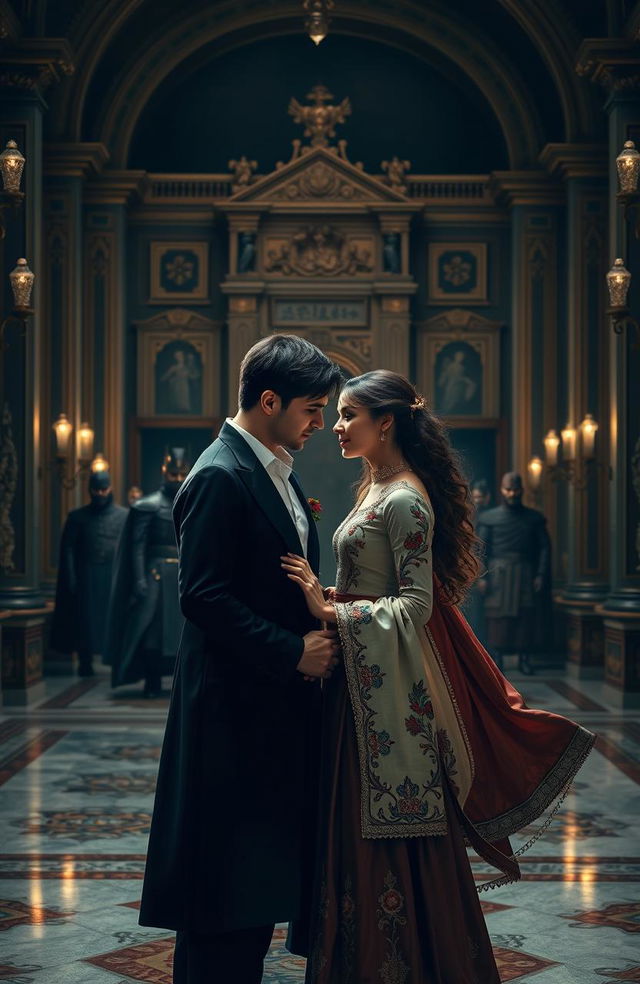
(424, 445)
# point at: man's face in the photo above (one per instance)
(480, 499)
(176, 476)
(512, 494)
(293, 426)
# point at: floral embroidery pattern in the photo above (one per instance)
(416, 544)
(448, 758)
(394, 802)
(371, 676)
(353, 546)
(409, 802)
(380, 744)
(394, 970)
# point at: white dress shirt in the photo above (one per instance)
(278, 466)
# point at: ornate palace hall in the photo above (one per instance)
(447, 190)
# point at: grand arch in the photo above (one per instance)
(474, 53)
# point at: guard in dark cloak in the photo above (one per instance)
(145, 621)
(517, 586)
(87, 549)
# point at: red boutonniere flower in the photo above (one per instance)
(315, 507)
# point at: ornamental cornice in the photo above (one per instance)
(613, 63)
(567, 160)
(74, 160)
(114, 187)
(525, 188)
(34, 64)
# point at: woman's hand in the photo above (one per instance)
(298, 570)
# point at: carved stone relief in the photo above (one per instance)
(319, 251)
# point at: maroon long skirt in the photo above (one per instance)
(388, 911)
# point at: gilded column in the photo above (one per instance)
(22, 110)
(583, 169)
(535, 333)
(106, 199)
(66, 167)
(615, 65)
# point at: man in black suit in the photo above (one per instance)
(232, 833)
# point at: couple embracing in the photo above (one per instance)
(331, 751)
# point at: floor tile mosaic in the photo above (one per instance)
(77, 777)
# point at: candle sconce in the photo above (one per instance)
(63, 429)
(578, 462)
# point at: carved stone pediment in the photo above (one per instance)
(459, 320)
(319, 176)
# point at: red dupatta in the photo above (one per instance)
(524, 759)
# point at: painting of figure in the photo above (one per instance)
(178, 379)
(458, 380)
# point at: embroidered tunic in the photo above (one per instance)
(406, 726)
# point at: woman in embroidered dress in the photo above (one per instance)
(425, 743)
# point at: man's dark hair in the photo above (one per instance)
(481, 485)
(291, 367)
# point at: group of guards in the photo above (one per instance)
(117, 590)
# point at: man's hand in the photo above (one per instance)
(319, 657)
(483, 587)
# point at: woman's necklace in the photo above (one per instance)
(386, 471)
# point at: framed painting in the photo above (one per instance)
(462, 374)
(458, 273)
(178, 367)
(179, 272)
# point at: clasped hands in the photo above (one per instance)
(321, 648)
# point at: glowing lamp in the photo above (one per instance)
(628, 167)
(85, 442)
(551, 445)
(588, 429)
(62, 429)
(534, 468)
(618, 281)
(99, 463)
(11, 167)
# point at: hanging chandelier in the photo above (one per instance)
(318, 20)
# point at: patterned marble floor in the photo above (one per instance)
(77, 774)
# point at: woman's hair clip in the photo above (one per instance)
(418, 404)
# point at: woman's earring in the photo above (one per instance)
(383, 436)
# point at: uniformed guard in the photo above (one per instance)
(145, 620)
(87, 549)
(517, 586)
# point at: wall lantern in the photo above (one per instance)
(11, 167)
(21, 279)
(618, 283)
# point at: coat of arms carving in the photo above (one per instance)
(319, 251)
